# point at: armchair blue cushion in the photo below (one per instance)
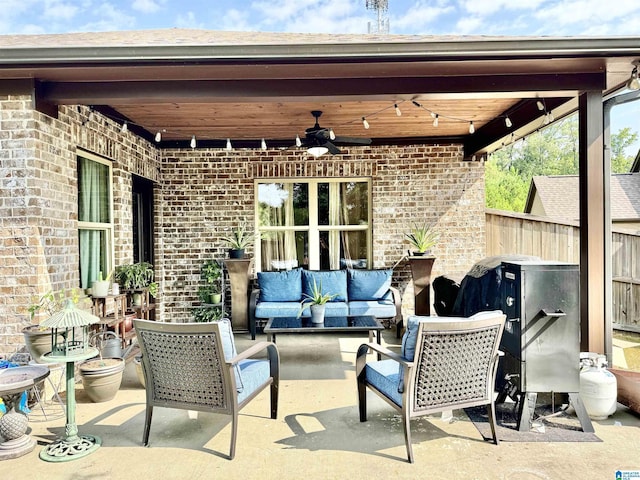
(334, 282)
(368, 284)
(229, 347)
(280, 286)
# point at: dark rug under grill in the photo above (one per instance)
(561, 427)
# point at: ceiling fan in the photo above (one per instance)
(320, 140)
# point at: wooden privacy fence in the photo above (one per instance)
(516, 233)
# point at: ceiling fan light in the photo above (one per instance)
(317, 151)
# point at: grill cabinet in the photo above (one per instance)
(541, 339)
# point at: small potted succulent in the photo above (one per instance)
(422, 237)
(316, 300)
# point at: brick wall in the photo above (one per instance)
(199, 196)
(205, 192)
(38, 201)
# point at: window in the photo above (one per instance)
(95, 226)
(318, 224)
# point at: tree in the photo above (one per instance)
(550, 151)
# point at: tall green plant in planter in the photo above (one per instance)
(422, 237)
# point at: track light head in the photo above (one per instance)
(634, 82)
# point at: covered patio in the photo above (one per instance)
(155, 103)
(317, 434)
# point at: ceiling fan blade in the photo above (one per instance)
(353, 140)
(332, 148)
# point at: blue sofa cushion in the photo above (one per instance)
(377, 308)
(229, 349)
(368, 284)
(333, 282)
(277, 309)
(280, 286)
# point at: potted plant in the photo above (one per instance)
(210, 272)
(422, 238)
(100, 287)
(207, 313)
(237, 240)
(316, 300)
(136, 277)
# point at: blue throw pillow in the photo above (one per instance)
(334, 282)
(280, 286)
(366, 285)
(229, 347)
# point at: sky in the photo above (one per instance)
(407, 17)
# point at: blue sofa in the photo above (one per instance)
(357, 292)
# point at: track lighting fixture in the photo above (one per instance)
(471, 127)
(435, 119)
(507, 122)
(124, 128)
(193, 142)
(228, 147)
(298, 141)
(332, 134)
(540, 105)
(634, 82)
(365, 124)
(398, 112)
(158, 137)
(263, 144)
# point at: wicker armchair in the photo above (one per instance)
(194, 366)
(454, 367)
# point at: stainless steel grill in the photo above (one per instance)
(541, 340)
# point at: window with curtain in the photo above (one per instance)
(95, 227)
(319, 224)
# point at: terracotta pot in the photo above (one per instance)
(38, 341)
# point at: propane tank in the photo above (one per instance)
(598, 386)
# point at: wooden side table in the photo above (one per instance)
(102, 307)
(239, 281)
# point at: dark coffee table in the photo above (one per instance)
(354, 323)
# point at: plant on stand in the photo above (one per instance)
(137, 277)
(238, 240)
(316, 300)
(422, 238)
(211, 273)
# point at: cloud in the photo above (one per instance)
(417, 18)
(105, 18)
(487, 7)
(312, 16)
(236, 21)
(593, 14)
(58, 10)
(188, 20)
(147, 6)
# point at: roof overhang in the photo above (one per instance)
(217, 85)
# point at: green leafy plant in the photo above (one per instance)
(52, 302)
(239, 238)
(315, 297)
(207, 314)
(211, 272)
(137, 276)
(422, 237)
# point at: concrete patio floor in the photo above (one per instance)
(317, 434)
